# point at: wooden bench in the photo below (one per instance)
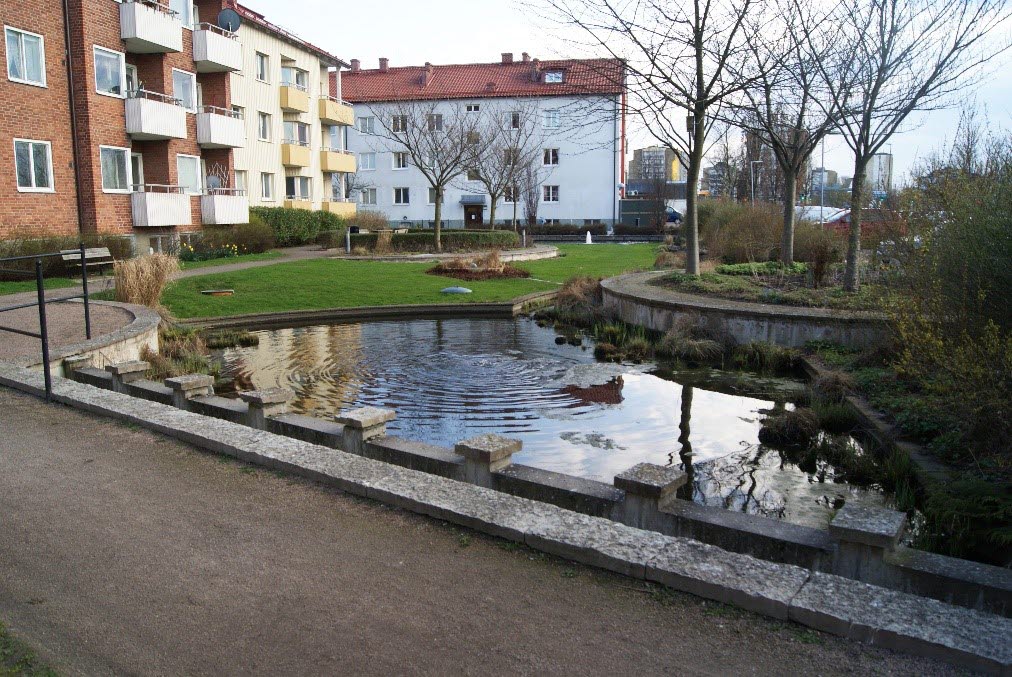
(97, 257)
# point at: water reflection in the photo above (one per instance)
(451, 379)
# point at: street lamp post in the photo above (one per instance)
(751, 172)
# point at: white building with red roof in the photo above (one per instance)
(577, 105)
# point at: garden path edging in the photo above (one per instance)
(825, 602)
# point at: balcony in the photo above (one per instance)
(220, 128)
(151, 116)
(293, 202)
(295, 154)
(159, 206)
(337, 161)
(336, 112)
(216, 50)
(224, 206)
(343, 208)
(149, 27)
(294, 99)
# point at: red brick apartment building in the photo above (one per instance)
(118, 116)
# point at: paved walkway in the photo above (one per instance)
(128, 553)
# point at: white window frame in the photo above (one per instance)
(42, 48)
(473, 107)
(261, 116)
(363, 193)
(511, 192)
(137, 178)
(31, 162)
(122, 71)
(398, 124)
(242, 181)
(551, 118)
(362, 164)
(200, 174)
(407, 194)
(267, 67)
(270, 184)
(193, 88)
(298, 183)
(371, 124)
(298, 127)
(549, 155)
(432, 197)
(188, 21)
(129, 171)
(515, 120)
(405, 156)
(546, 194)
(554, 77)
(434, 122)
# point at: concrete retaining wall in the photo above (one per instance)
(634, 300)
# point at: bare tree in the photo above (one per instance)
(510, 140)
(437, 141)
(898, 57)
(530, 178)
(790, 62)
(680, 56)
(355, 183)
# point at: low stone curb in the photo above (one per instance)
(829, 603)
(536, 253)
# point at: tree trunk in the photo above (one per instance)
(439, 217)
(514, 210)
(790, 193)
(692, 193)
(491, 211)
(851, 279)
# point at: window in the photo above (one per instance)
(511, 156)
(297, 187)
(296, 132)
(402, 196)
(435, 122)
(238, 112)
(334, 137)
(551, 119)
(115, 169)
(367, 125)
(511, 194)
(551, 193)
(263, 67)
(188, 174)
(240, 181)
(553, 77)
(267, 186)
(473, 107)
(367, 196)
(399, 123)
(183, 10)
(184, 88)
(26, 57)
(132, 81)
(400, 160)
(33, 163)
(366, 161)
(473, 175)
(551, 156)
(432, 196)
(263, 126)
(295, 77)
(110, 72)
(515, 120)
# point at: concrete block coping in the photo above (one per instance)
(366, 417)
(190, 382)
(824, 602)
(488, 448)
(861, 524)
(125, 368)
(650, 480)
(266, 396)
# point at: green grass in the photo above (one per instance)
(17, 659)
(745, 288)
(332, 283)
(29, 285)
(210, 263)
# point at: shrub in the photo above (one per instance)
(764, 268)
(142, 280)
(27, 245)
(792, 429)
(835, 417)
(452, 240)
(293, 227)
(607, 352)
(370, 220)
(819, 248)
(698, 351)
(254, 237)
(766, 358)
(833, 386)
(637, 349)
(594, 229)
(667, 259)
(486, 266)
(744, 233)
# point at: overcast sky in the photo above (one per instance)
(475, 31)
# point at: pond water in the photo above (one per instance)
(452, 379)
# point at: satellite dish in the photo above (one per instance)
(229, 19)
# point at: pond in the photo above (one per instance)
(451, 379)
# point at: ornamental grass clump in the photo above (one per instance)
(142, 280)
(792, 429)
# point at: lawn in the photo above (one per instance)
(29, 285)
(332, 283)
(265, 256)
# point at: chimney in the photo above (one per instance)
(507, 58)
(429, 72)
(356, 65)
(526, 57)
(384, 64)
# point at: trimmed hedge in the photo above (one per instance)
(452, 240)
(764, 268)
(596, 229)
(293, 227)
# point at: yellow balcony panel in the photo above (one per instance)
(336, 113)
(340, 208)
(294, 155)
(297, 204)
(337, 161)
(294, 100)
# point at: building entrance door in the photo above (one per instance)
(474, 215)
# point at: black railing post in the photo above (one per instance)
(84, 283)
(43, 330)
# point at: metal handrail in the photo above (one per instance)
(298, 197)
(204, 26)
(225, 191)
(301, 88)
(155, 96)
(295, 142)
(160, 187)
(331, 149)
(335, 99)
(218, 110)
(154, 4)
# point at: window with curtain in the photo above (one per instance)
(183, 10)
(297, 187)
(115, 169)
(188, 174)
(267, 186)
(184, 88)
(26, 61)
(109, 72)
(33, 165)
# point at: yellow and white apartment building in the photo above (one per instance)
(296, 133)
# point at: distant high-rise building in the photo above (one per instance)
(656, 163)
(821, 175)
(880, 172)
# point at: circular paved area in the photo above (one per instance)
(66, 327)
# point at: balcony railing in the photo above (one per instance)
(216, 50)
(159, 205)
(337, 161)
(150, 27)
(224, 206)
(334, 111)
(294, 98)
(220, 128)
(153, 116)
(295, 85)
(295, 142)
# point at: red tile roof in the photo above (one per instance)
(482, 80)
(258, 19)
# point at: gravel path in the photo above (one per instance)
(128, 553)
